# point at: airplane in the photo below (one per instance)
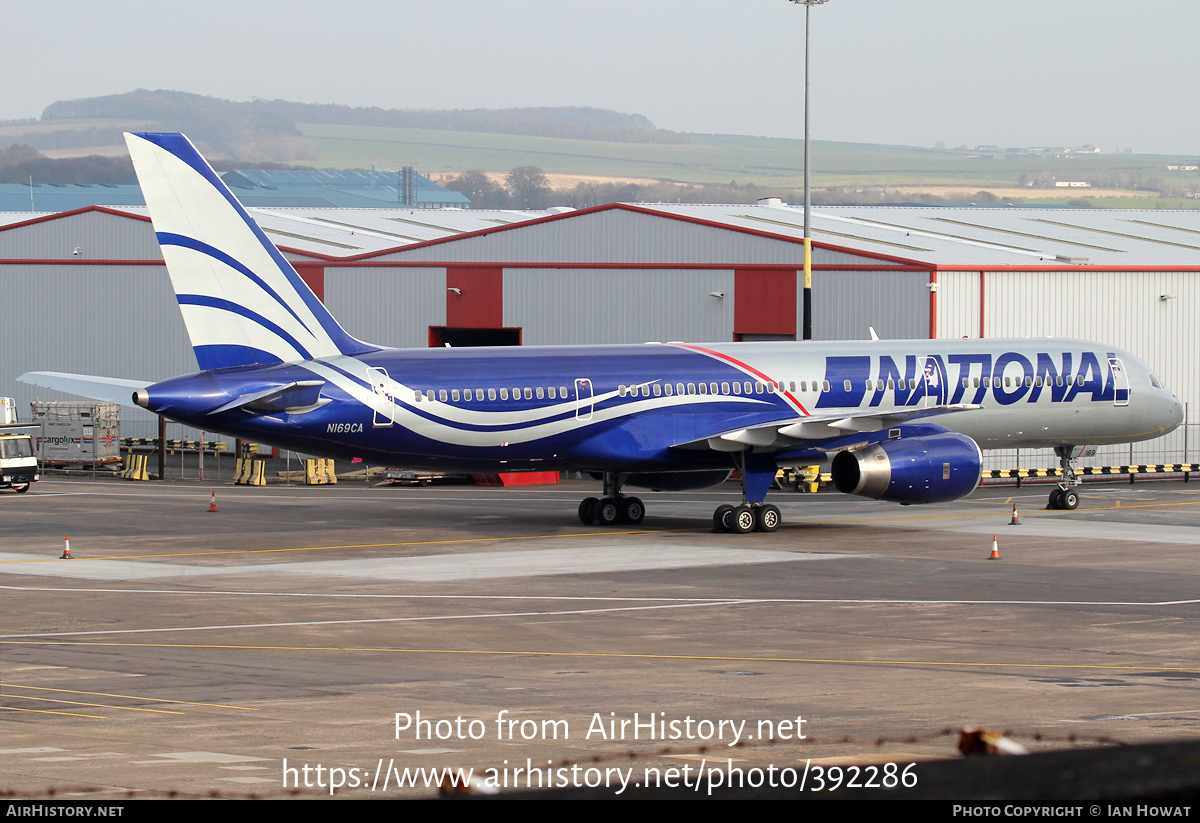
(900, 421)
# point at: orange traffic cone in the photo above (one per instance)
(1016, 520)
(995, 555)
(212, 507)
(66, 555)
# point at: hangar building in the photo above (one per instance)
(95, 297)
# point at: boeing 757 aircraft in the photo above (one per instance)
(902, 421)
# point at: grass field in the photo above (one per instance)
(722, 159)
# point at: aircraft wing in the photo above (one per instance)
(787, 433)
(108, 389)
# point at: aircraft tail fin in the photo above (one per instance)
(242, 301)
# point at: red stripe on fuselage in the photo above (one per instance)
(748, 368)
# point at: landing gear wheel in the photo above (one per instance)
(607, 512)
(767, 518)
(21, 489)
(1069, 499)
(1055, 499)
(723, 519)
(632, 510)
(742, 520)
(587, 511)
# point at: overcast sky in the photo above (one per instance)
(1013, 73)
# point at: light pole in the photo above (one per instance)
(807, 320)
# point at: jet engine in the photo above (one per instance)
(930, 469)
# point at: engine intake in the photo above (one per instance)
(931, 469)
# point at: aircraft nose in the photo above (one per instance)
(1176, 412)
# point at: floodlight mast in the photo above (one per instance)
(807, 319)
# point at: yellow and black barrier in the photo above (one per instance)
(247, 472)
(319, 472)
(135, 467)
(213, 446)
(1096, 471)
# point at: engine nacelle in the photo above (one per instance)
(931, 469)
(677, 481)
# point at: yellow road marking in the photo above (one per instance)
(96, 705)
(357, 546)
(465, 540)
(47, 711)
(611, 655)
(127, 697)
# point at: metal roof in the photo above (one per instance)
(339, 232)
(978, 236)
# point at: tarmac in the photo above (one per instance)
(309, 641)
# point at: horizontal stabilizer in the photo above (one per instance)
(303, 395)
(108, 389)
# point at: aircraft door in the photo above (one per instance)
(933, 378)
(384, 406)
(583, 398)
(1120, 382)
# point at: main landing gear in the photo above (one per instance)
(613, 507)
(1065, 495)
(757, 472)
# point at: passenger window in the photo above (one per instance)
(737, 388)
(454, 395)
(541, 395)
(551, 391)
(724, 388)
(657, 389)
(712, 388)
(793, 385)
(668, 388)
(562, 392)
(528, 393)
(824, 385)
(442, 395)
(491, 394)
(679, 388)
(691, 388)
(621, 390)
(891, 384)
(847, 385)
(504, 394)
(703, 388)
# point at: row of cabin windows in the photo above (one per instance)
(748, 387)
(969, 382)
(455, 395)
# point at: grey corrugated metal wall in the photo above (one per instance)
(586, 306)
(387, 306)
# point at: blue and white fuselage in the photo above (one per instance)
(647, 407)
